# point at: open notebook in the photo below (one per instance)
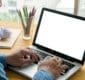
(10, 41)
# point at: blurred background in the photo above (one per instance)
(8, 7)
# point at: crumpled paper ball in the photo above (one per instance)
(4, 33)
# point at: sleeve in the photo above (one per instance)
(2, 66)
(43, 75)
(2, 73)
(3, 59)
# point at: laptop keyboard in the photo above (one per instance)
(42, 56)
(69, 67)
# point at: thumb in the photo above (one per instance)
(64, 67)
(27, 61)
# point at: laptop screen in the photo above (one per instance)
(62, 33)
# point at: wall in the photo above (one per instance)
(81, 8)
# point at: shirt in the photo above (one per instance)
(39, 75)
(2, 66)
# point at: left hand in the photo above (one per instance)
(52, 65)
(17, 57)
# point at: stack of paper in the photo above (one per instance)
(8, 43)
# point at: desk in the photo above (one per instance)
(80, 75)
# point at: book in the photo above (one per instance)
(8, 43)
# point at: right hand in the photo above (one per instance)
(16, 58)
(52, 65)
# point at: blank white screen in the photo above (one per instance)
(63, 34)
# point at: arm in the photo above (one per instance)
(16, 58)
(2, 66)
(49, 69)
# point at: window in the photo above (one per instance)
(8, 10)
(66, 6)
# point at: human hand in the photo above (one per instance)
(16, 58)
(52, 65)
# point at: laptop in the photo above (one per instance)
(58, 34)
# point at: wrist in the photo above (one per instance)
(8, 59)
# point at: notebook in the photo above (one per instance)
(58, 34)
(8, 43)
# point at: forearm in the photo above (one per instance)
(43, 75)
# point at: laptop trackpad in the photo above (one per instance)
(27, 71)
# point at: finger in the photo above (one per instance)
(33, 55)
(25, 51)
(59, 60)
(56, 60)
(57, 74)
(41, 64)
(64, 67)
(48, 57)
(26, 61)
(32, 52)
(61, 68)
(35, 58)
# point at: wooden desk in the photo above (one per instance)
(80, 75)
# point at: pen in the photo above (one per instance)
(20, 15)
(29, 21)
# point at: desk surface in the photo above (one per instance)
(79, 75)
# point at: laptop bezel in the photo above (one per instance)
(52, 51)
